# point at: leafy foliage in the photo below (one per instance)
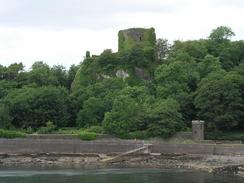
(219, 100)
(92, 112)
(49, 128)
(125, 116)
(5, 118)
(33, 106)
(11, 134)
(165, 118)
(95, 129)
(221, 33)
(87, 135)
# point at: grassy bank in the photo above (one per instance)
(11, 134)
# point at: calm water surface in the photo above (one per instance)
(113, 176)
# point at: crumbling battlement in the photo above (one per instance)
(129, 38)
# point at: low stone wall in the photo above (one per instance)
(208, 149)
(72, 145)
(66, 146)
(65, 136)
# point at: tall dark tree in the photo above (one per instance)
(35, 106)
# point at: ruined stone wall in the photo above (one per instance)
(128, 38)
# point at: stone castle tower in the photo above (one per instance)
(129, 38)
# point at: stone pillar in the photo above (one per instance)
(198, 130)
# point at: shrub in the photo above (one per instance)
(214, 135)
(29, 130)
(95, 129)
(87, 135)
(134, 135)
(219, 135)
(11, 134)
(49, 128)
(67, 130)
(43, 130)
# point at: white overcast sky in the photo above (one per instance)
(60, 31)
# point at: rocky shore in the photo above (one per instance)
(210, 163)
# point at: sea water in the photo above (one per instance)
(113, 176)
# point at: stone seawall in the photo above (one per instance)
(65, 146)
(110, 146)
(204, 149)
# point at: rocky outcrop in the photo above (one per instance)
(122, 74)
(141, 74)
(102, 76)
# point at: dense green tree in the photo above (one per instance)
(219, 100)
(35, 106)
(231, 54)
(171, 80)
(5, 118)
(176, 79)
(162, 49)
(195, 49)
(239, 69)
(108, 61)
(96, 100)
(11, 72)
(221, 34)
(6, 86)
(135, 57)
(92, 112)
(219, 44)
(126, 116)
(135, 110)
(208, 64)
(165, 118)
(128, 111)
(40, 74)
(59, 73)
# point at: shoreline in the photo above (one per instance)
(217, 164)
(65, 151)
